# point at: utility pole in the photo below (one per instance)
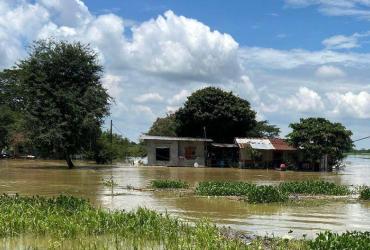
(205, 146)
(111, 142)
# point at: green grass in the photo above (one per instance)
(169, 184)
(224, 188)
(333, 241)
(67, 222)
(365, 193)
(266, 194)
(66, 217)
(314, 187)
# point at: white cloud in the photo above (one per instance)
(113, 84)
(328, 71)
(179, 97)
(305, 100)
(148, 97)
(289, 59)
(356, 8)
(351, 104)
(341, 42)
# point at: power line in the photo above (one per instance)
(118, 130)
(362, 138)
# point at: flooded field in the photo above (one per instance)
(51, 178)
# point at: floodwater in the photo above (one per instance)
(51, 178)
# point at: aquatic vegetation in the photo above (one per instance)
(169, 184)
(66, 217)
(365, 193)
(314, 187)
(266, 194)
(224, 188)
(333, 241)
(110, 182)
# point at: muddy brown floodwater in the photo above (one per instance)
(51, 178)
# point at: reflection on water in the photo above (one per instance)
(51, 178)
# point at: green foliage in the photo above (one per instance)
(165, 126)
(314, 187)
(334, 241)
(169, 184)
(224, 115)
(224, 188)
(266, 194)
(67, 217)
(119, 149)
(264, 130)
(318, 136)
(365, 193)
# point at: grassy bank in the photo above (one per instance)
(66, 222)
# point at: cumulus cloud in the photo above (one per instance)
(328, 71)
(148, 97)
(351, 104)
(305, 100)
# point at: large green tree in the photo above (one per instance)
(223, 115)
(264, 130)
(62, 96)
(317, 137)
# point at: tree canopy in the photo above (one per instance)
(318, 136)
(164, 126)
(61, 95)
(223, 115)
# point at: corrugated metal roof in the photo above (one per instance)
(264, 144)
(254, 143)
(169, 138)
(281, 144)
(224, 145)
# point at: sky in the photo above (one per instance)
(288, 58)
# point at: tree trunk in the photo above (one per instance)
(69, 161)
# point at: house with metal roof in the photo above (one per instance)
(176, 151)
(264, 152)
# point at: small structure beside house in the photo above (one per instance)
(264, 153)
(175, 151)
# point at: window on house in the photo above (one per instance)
(190, 153)
(162, 154)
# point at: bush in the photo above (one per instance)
(365, 193)
(223, 188)
(314, 187)
(266, 194)
(169, 184)
(349, 240)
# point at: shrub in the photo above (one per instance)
(365, 193)
(266, 194)
(314, 187)
(169, 184)
(333, 241)
(223, 188)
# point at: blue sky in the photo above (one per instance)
(290, 59)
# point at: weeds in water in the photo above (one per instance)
(333, 241)
(266, 194)
(365, 193)
(223, 188)
(169, 184)
(110, 182)
(314, 187)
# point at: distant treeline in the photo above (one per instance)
(359, 151)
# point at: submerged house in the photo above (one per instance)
(176, 151)
(264, 153)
